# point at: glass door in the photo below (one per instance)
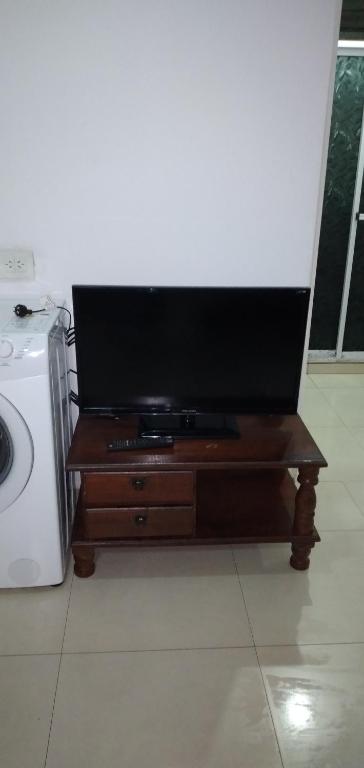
(6, 451)
(338, 316)
(16, 454)
(353, 330)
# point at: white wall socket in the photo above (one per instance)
(16, 264)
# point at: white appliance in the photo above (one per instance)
(36, 496)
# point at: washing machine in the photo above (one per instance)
(36, 495)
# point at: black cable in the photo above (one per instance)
(71, 335)
(70, 316)
(22, 311)
(72, 370)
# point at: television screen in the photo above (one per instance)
(176, 350)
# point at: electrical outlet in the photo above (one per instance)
(16, 264)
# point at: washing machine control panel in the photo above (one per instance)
(15, 348)
(22, 356)
(24, 343)
(6, 348)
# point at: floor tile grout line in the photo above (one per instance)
(334, 389)
(352, 497)
(257, 658)
(353, 435)
(217, 647)
(68, 604)
(307, 645)
(29, 653)
(331, 389)
(189, 649)
(338, 530)
(312, 382)
(344, 483)
(328, 374)
(185, 649)
(357, 442)
(58, 673)
(269, 706)
(243, 596)
(52, 713)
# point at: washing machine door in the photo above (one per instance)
(16, 454)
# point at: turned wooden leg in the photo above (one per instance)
(304, 516)
(84, 558)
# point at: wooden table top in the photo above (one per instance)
(265, 441)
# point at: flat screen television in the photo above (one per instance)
(186, 359)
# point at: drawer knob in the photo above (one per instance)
(138, 483)
(140, 519)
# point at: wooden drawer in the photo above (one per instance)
(139, 522)
(139, 489)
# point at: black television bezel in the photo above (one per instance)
(199, 406)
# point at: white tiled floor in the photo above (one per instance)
(203, 657)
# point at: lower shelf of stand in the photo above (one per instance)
(231, 507)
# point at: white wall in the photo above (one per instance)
(164, 141)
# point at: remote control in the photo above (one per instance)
(140, 443)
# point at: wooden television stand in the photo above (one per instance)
(197, 492)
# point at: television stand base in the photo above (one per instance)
(189, 426)
(198, 492)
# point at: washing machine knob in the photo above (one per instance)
(6, 348)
